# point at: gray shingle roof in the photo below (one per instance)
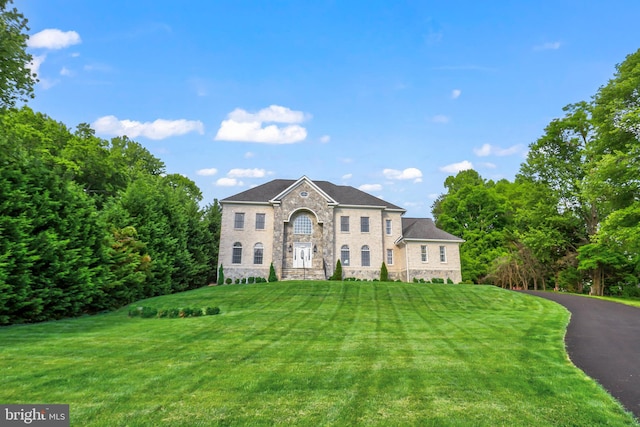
(424, 229)
(343, 194)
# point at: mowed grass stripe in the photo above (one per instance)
(313, 353)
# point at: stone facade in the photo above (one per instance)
(305, 232)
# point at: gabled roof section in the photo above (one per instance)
(336, 194)
(293, 186)
(262, 193)
(424, 229)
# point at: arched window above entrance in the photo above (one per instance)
(303, 225)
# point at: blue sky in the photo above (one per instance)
(387, 96)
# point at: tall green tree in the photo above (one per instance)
(52, 258)
(16, 78)
(473, 210)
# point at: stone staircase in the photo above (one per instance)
(303, 274)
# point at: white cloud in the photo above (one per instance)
(409, 173)
(548, 46)
(370, 187)
(53, 38)
(229, 182)
(488, 149)
(36, 61)
(440, 118)
(248, 127)
(158, 129)
(207, 172)
(247, 173)
(345, 160)
(273, 113)
(488, 165)
(433, 196)
(66, 72)
(249, 155)
(455, 94)
(325, 138)
(457, 167)
(347, 176)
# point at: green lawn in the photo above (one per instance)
(313, 353)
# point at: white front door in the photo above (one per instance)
(302, 255)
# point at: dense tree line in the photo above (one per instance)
(571, 218)
(89, 224)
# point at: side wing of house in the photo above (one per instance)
(429, 253)
(246, 240)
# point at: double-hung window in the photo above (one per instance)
(424, 255)
(344, 255)
(238, 221)
(260, 220)
(344, 224)
(443, 254)
(236, 257)
(387, 226)
(389, 256)
(364, 224)
(258, 251)
(365, 256)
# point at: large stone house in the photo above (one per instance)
(303, 227)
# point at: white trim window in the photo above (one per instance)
(344, 224)
(424, 254)
(365, 256)
(364, 224)
(389, 256)
(387, 226)
(260, 221)
(258, 253)
(238, 221)
(345, 255)
(236, 257)
(443, 254)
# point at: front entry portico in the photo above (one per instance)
(302, 255)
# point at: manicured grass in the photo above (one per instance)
(313, 353)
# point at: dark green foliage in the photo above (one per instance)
(272, 274)
(337, 273)
(449, 281)
(16, 78)
(228, 281)
(150, 312)
(51, 246)
(210, 311)
(220, 278)
(384, 273)
(88, 225)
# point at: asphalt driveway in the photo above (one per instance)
(603, 339)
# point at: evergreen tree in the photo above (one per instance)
(272, 274)
(337, 273)
(384, 273)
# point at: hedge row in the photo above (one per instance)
(149, 312)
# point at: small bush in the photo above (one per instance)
(449, 281)
(243, 281)
(237, 281)
(228, 281)
(437, 280)
(173, 313)
(210, 311)
(415, 280)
